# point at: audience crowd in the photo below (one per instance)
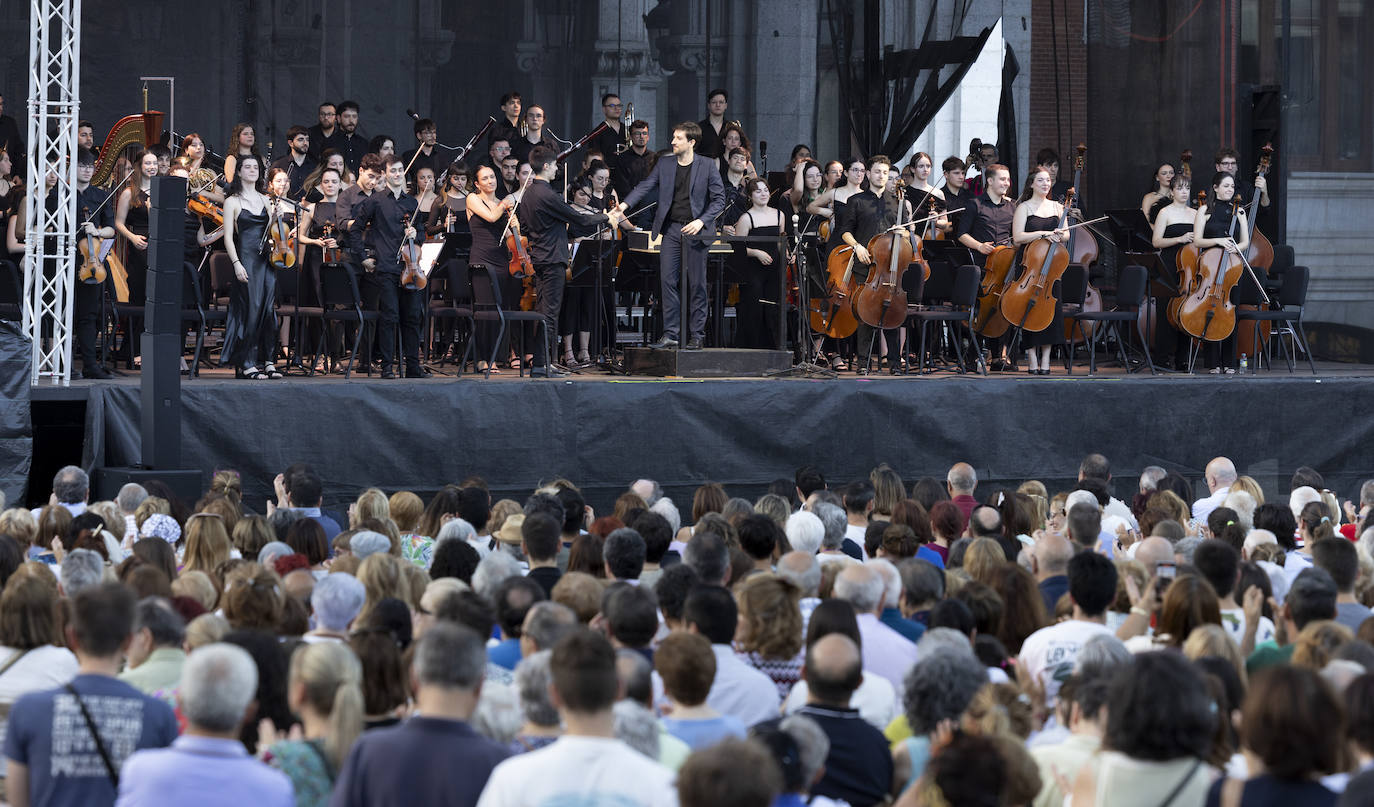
(876, 642)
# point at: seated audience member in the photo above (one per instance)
(1049, 654)
(735, 773)
(513, 598)
(885, 651)
(687, 666)
(155, 656)
(739, 690)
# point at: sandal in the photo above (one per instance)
(839, 364)
(250, 372)
(584, 359)
(271, 371)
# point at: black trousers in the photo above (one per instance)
(549, 280)
(401, 306)
(87, 299)
(681, 254)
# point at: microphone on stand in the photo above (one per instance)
(413, 115)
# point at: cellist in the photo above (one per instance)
(1037, 217)
(1172, 232)
(1212, 230)
(867, 214)
(986, 224)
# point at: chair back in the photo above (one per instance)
(190, 287)
(459, 287)
(965, 293)
(486, 292)
(338, 287)
(11, 285)
(1294, 291)
(1130, 286)
(289, 285)
(1247, 291)
(221, 274)
(1284, 258)
(1073, 284)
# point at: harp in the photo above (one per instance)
(143, 129)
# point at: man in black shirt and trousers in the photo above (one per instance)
(691, 197)
(297, 163)
(544, 218)
(377, 250)
(985, 225)
(866, 215)
(88, 298)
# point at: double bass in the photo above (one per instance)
(1031, 303)
(1083, 251)
(1260, 254)
(881, 300)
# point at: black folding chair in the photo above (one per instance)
(341, 302)
(1130, 295)
(1291, 300)
(292, 285)
(451, 302)
(963, 299)
(11, 291)
(194, 311)
(486, 307)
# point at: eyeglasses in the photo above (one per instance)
(613, 106)
(1231, 163)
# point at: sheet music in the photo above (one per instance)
(429, 253)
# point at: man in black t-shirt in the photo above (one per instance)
(866, 215)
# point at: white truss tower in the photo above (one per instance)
(54, 98)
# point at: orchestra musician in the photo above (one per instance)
(1173, 230)
(382, 145)
(250, 334)
(712, 125)
(834, 174)
(242, 142)
(1212, 230)
(507, 126)
(807, 179)
(510, 177)
(449, 213)
(323, 135)
(424, 154)
(348, 141)
(867, 214)
(579, 302)
(1228, 161)
(757, 317)
(691, 197)
(87, 298)
(733, 137)
(131, 222)
(1048, 159)
(831, 204)
(380, 223)
(85, 135)
(535, 135)
(920, 191)
(425, 197)
(487, 217)
(986, 224)
(297, 163)
(1160, 195)
(546, 216)
(612, 140)
(369, 174)
(632, 166)
(1037, 217)
(957, 192)
(330, 160)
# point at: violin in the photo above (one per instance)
(1185, 161)
(881, 300)
(92, 268)
(283, 254)
(331, 254)
(1031, 302)
(1208, 312)
(521, 265)
(411, 276)
(833, 315)
(201, 206)
(1083, 251)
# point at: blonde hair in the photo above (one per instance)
(371, 504)
(252, 599)
(1040, 501)
(1213, 640)
(150, 507)
(1169, 502)
(1250, 486)
(251, 534)
(1319, 642)
(501, 511)
(888, 489)
(20, 525)
(333, 680)
(198, 586)
(205, 629)
(417, 579)
(229, 484)
(770, 606)
(207, 544)
(405, 508)
(983, 558)
(382, 577)
(999, 710)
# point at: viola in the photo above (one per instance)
(1031, 302)
(283, 255)
(201, 206)
(987, 317)
(411, 276)
(833, 315)
(92, 268)
(881, 300)
(1208, 312)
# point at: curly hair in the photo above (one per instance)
(770, 607)
(940, 687)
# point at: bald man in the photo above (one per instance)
(1220, 475)
(1153, 551)
(858, 768)
(885, 651)
(1050, 563)
(960, 481)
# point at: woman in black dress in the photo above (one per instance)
(320, 230)
(1037, 217)
(757, 319)
(250, 335)
(131, 222)
(1173, 230)
(488, 216)
(449, 213)
(1212, 230)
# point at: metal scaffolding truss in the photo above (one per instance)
(54, 100)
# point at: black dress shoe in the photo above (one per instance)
(418, 372)
(694, 343)
(388, 373)
(665, 343)
(95, 372)
(546, 372)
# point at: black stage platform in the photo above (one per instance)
(604, 432)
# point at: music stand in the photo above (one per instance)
(1130, 230)
(597, 254)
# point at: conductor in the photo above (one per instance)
(691, 196)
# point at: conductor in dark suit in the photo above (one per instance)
(691, 197)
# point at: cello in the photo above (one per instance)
(411, 276)
(1083, 251)
(1031, 302)
(92, 269)
(1187, 273)
(881, 300)
(987, 317)
(1208, 312)
(1260, 254)
(834, 315)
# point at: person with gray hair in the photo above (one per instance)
(885, 651)
(804, 571)
(1150, 477)
(367, 542)
(805, 532)
(545, 623)
(813, 746)
(336, 601)
(281, 519)
(709, 557)
(938, 688)
(493, 570)
(81, 568)
(72, 488)
(665, 507)
(1184, 549)
(218, 685)
(532, 682)
(129, 498)
(637, 727)
(891, 614)
(461, 530)
(435, 757)
(624, 554)
(923, 585)
(267, 556)
(155, 657)
(835, 524)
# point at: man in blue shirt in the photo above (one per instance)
(208, 765)
(66, 745)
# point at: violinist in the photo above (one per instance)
(369, 174)
(242, 142)
(380, 223)
(757, 317)
(487, 217)
(579, 302)
(423, 155)
(985, 224)
(956, 190)
(250, 334)
(1212, 230)
(919, 192)
(831, 204)
(298, 164)
(87, 298)
(1173, 230)
(546, 217)
(193, 155)
(1228, 161)
(866, 215)
(1037, 217)
(320, 230)
(449, 213)
(1160, 195)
